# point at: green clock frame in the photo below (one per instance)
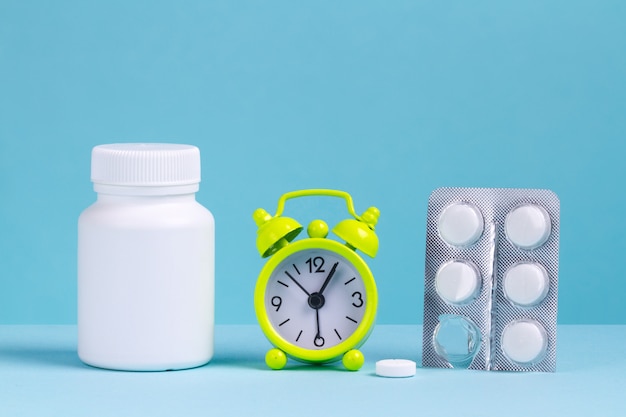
(273, 240)
(356, 339)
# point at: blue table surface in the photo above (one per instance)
(41, 375)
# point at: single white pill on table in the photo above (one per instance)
(460, 224)
(457, 282)
(524, 342)
(396, 368)
(526, 284)
(527, 226)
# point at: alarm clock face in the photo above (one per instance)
(315, 299)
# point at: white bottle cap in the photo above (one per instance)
(457, 282)
(395, 368)
(526, 284)
(460, 224)
(120, 168)
(527, 226)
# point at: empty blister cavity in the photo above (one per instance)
(527, 226)
(524, 342)
(457, 282)
(526, 284)
(460, 224)
(456, 340)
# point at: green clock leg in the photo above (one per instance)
(276, 359)
(353, 360)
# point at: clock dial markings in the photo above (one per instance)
(297, 283)
(277, 302)
(358, 302)
(338, 335)
(317, 263)
(319, 341)
(332, 309)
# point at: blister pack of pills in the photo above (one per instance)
(491, 279)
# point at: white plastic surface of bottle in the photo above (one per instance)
(146, 261)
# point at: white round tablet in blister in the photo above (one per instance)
(527, 226)
(524, 342)
(457, 282)
(526, 284)
(460, 224)
(396, 368)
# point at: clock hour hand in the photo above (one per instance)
(328, 278)
(297, 283)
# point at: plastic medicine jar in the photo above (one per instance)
(146, 261)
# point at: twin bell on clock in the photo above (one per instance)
(315, 298)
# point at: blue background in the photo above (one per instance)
(385, 100)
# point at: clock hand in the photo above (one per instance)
(319, 340)
(330, 275)
(317, 320)
(297, 283)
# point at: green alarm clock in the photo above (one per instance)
(315, 298)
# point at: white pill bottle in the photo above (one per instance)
(146, 261)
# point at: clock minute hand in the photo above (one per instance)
(297, 283)
(328, 278)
